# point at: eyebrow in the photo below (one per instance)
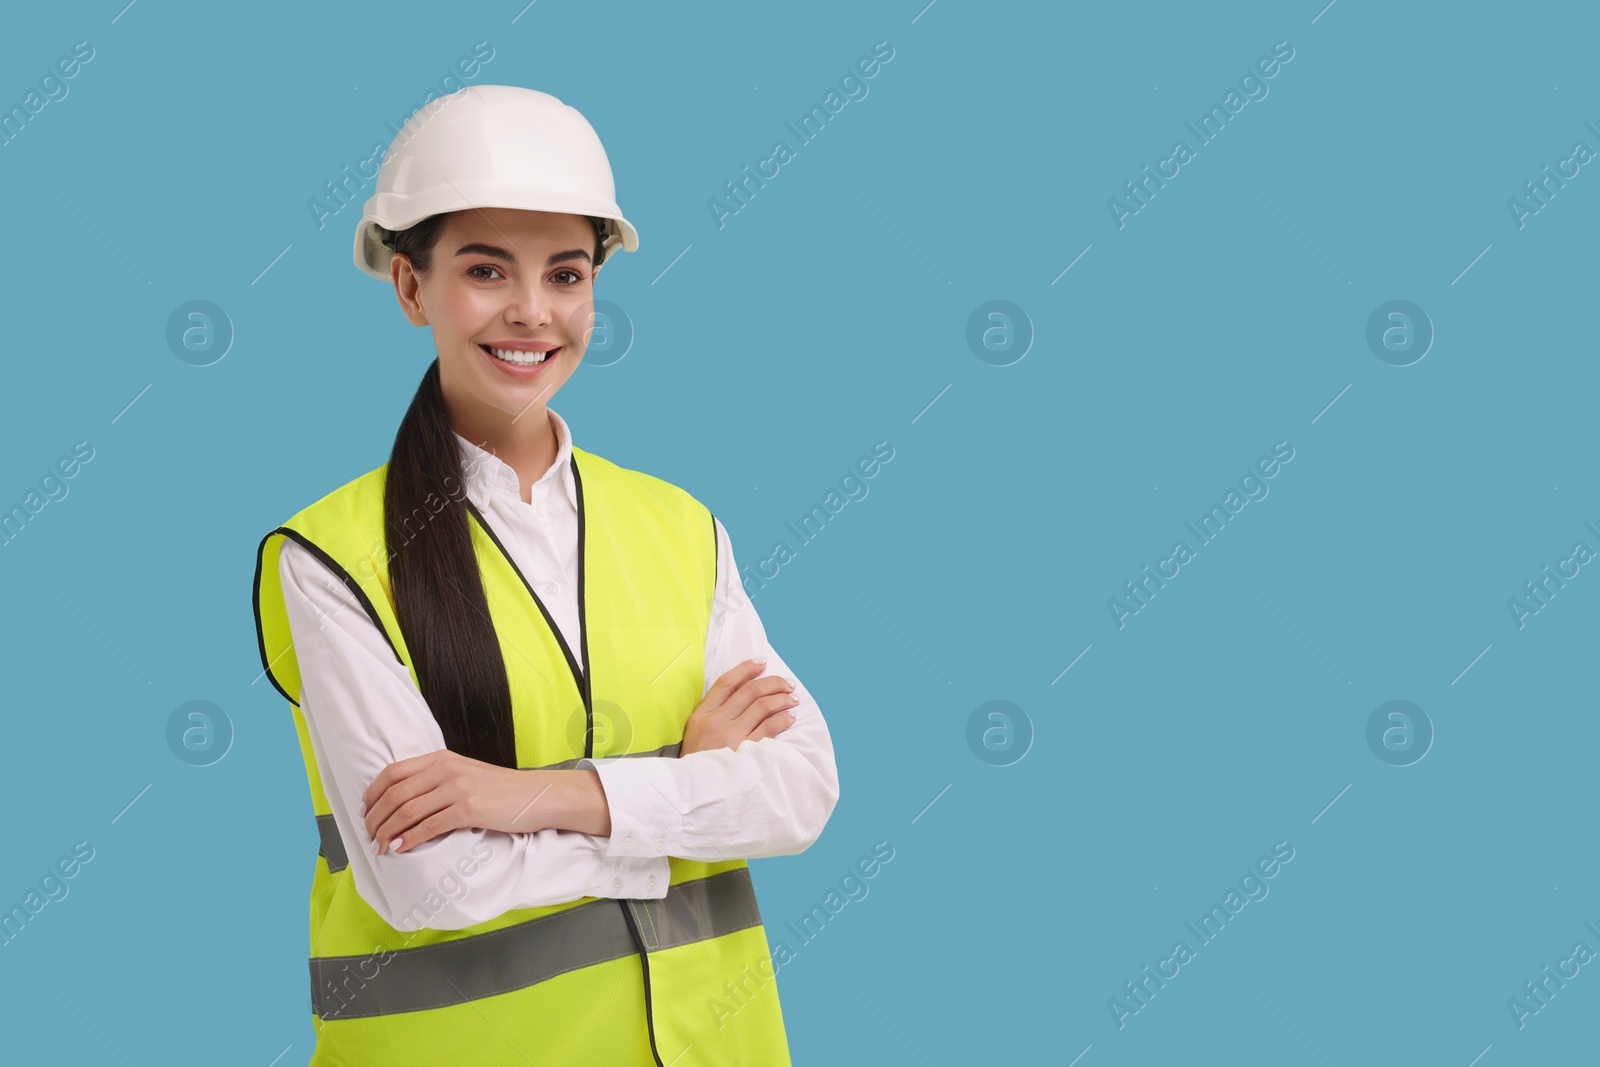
(477, 249)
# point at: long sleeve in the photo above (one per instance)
(363, 713)
(769, 797)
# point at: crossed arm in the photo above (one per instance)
(417, 799)
(756, 777)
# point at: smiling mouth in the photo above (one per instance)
(519, 359)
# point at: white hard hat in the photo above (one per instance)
(491, 146)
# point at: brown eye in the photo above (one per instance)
(576, 277)
(482, 266)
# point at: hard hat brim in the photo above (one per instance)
(393, 212)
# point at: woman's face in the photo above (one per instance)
(507, 280)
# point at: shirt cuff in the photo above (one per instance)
(646, 806)
(634, 879)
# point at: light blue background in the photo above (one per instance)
(829, 314)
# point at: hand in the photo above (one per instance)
(415, 800)
(739, 707)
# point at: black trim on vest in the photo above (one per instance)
(716, 565)
(338, 572)
(583, 621)
(255, 608)
(588, 750)
(644, 964)
(572, 664)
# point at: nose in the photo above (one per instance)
(529, 305)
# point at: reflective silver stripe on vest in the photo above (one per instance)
(665, 750)
(332, 848)
(692, 911)
(500, 961)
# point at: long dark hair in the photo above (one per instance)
(438, 591)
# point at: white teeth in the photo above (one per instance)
(521, 359)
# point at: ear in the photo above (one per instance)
(407, 289)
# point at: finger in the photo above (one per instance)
(722, 700)
(369, 796)
(731, 680)
(406, 819)
(394, 772)
(763, 709)
(748, 693)
(769, 685)
(774, 726)
(440, 822)
(398, 794)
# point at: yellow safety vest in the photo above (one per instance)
(682, 981)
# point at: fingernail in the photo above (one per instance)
(375, 850)
(397, 844)
(361, 809)
(759, 660)
(790, 681)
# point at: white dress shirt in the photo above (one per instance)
(767, 798)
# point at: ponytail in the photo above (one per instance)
(438, 589)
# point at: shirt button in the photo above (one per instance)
(627, 838)
(550, 588)
(541, 509)
(652, 882)
(661, 842)
(616, 885)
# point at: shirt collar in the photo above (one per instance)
(488, 474)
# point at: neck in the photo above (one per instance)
(528, 444)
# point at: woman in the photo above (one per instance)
(535, 811)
